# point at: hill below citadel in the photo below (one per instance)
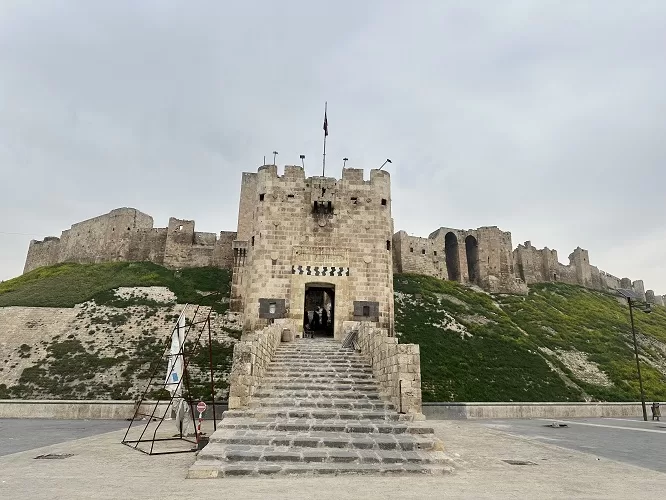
(93, 330)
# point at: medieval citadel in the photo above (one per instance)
(302, 246)
(288, 223)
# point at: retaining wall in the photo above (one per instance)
(463, 411)
(397, 367)
(86, 409)
(252, 354)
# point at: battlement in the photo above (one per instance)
(297, 173)
(126, 234)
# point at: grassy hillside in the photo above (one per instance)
(108, 347)
(559, 343)
(65, 285)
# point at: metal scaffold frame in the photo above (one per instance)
(199, 326)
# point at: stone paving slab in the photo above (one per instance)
(102, 469)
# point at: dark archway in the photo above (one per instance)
(452, 260)
(319, 309)
(472, 251)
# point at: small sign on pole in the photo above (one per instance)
(201, 407)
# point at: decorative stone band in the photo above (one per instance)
(320, 270)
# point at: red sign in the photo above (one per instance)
(201, 407)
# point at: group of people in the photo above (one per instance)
(316, 320)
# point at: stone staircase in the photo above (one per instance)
(318, 411)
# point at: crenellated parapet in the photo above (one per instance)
(484, 257)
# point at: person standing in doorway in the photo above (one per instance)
(324, 319)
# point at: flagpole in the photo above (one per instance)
(323, 165)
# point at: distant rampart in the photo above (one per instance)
(126, 234)
(484, 257)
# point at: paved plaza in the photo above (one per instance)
(591, 458)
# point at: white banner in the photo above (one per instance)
(175, 359)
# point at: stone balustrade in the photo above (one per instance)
(252, 354)
(397, 367)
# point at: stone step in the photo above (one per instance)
(327, 349)
(324, 363)
(313, 413)
(323, 351)
(321, 373)
(207, 469)
(320, 385)
(323, 366)
(275, 378)
(312, 425)
(338, 358)
(341, 440)
(252, 453)
(318, 394)
(324, 403)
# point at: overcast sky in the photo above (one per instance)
(545, 118)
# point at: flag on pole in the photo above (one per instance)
(325, 123)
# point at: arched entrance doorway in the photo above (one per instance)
(451, 253)
(319, 310)
(472, 252)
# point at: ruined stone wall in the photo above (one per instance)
(484, 257)
(315, 231)
(223, 254)
(187, 248)
(412, 254)
(126, 234)
(477, 256)
(542, 266)
(42, 253)
(147, 245)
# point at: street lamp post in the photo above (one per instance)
(638, 366)
(635, 300)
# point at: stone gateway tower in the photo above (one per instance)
(304, 243)
(314, 256)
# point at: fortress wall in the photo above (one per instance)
(126, 234)
(186, 248)
(480, 256)
(147, 245)
(223, 254)
(42, 253)
(412, 254)
(609, 281)
(533, 265)
(104, 238)
(247, 205)
(639, 287)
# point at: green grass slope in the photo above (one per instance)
(123, 337)
(476, 347)
(559, 343)
(65, 285)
